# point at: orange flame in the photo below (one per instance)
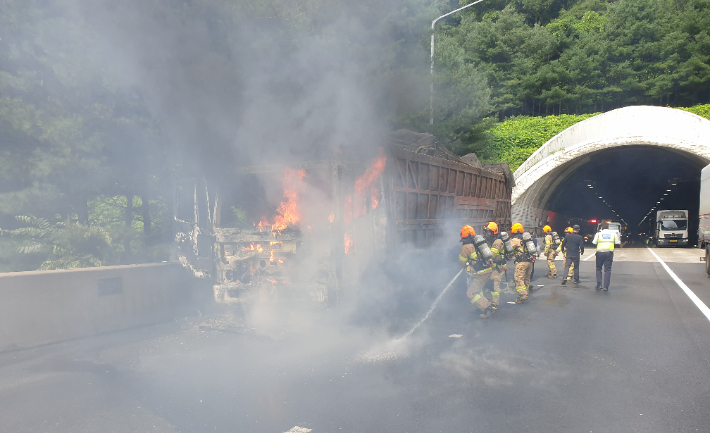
(375, 197)
(262, 224)
(365, 183)
(253, 247)
(357, 206)
(289, 212)
(348, 243)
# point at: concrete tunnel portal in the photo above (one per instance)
(617, 165)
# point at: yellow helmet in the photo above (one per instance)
(546, 229)
(569, 230)
(492, 227)
(517, 228)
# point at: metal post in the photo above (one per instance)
(431, 81)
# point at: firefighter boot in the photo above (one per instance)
(522, 295)
(481, 302)
(495, 299)
(488, 311)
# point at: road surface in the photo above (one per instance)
(634, 359)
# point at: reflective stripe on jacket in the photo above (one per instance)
(548, 243)
(468, 254)
(606, 239)
(498, 250)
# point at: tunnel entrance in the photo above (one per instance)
(627, 184)
(626, 156)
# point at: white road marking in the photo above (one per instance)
(589, 257)
(698, 303)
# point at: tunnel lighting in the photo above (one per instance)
(665, 194)
(673, 184)
(668, 190)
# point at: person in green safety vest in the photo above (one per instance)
(605, 240)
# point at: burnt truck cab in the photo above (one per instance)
(307, 230)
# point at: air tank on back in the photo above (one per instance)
(483, 249)
(505, 237)
(529, 245)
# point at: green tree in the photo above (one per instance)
(63, 245)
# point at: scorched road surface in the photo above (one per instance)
(571, 360)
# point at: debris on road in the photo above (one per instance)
(223, 323)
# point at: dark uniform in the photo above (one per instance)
(573, 245)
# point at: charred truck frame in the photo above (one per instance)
(411, 194)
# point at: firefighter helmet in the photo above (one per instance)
(546, 229)
(492, 227)
(569, 230)
(467, 231)
(517, 228)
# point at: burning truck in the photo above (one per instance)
(308, 229)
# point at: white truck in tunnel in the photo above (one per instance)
(671, 228)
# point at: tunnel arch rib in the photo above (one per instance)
(668, 128)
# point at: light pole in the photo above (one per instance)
(431, 81)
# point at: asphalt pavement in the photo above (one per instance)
(573, 359)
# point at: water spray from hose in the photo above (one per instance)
(397, 348)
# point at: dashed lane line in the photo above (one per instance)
(698, 303)
(587, 258)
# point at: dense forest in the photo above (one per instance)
(104, 106)
(542, 57)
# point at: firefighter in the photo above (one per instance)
(550, 251)
(491, 234)
(523, 263)
(477, 271)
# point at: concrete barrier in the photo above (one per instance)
(42, 307)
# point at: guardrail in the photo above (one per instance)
(41, 307)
